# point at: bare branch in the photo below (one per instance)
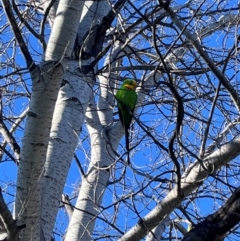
(193, 39)
(7, 220)
(17, 33)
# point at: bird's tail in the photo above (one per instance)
(127, 145)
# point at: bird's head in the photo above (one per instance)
(129, 84)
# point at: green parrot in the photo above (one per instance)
(126, 101)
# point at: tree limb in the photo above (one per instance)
(218, 224)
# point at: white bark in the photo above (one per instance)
(46, 83)
(92, 187)
(94, 184)
(157, 232)
(64, 29)
(69, 114)
(92, 15)
(68, 118)
(34, 145)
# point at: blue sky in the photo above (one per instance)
(145, 156)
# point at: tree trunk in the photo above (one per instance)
(46, 83)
